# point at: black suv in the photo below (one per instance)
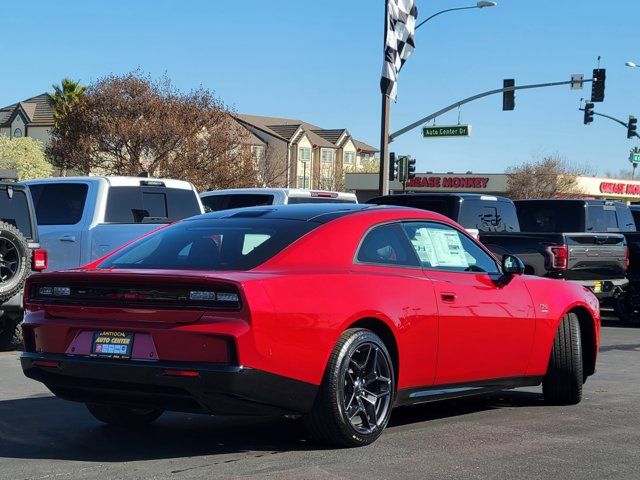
(20, 255)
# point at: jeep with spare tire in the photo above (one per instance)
(20, 256)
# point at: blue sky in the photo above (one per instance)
(320, 61)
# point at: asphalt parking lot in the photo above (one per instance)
(509, 435)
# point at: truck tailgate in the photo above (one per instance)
(595, 256)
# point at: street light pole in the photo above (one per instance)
(477, 5)
(383, 179)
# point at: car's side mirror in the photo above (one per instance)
(512, 265)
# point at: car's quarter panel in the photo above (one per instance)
(552, 299)
(314, 308)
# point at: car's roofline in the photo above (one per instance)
(115, 181)
(285, 191)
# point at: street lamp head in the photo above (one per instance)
(486, 4)
(630, 64)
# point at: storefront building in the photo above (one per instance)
(365, 185)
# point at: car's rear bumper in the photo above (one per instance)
(216, 389)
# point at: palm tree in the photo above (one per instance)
(65, 96)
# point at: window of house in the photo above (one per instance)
(257, 152)
(305, 154)
(327, 164)
(349, 158)
(17, 132)
(303, 177)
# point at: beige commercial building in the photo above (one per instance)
(366, 185)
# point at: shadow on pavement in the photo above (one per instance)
(49, 428)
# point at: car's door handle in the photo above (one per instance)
(67, 238)
(448, 297)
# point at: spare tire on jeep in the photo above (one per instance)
(15, 261)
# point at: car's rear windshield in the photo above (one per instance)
(150, 204)
(551, 217)
(298, 200)
(14, 210)
(211, 244)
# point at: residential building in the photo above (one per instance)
(297, 154)
(32, 117)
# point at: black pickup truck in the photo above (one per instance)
(560, 240)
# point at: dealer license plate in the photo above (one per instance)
(597, 287)
(112, 344)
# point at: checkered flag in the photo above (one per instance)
(399, 43)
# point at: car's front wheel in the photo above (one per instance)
(123, 416)
(562, 385)
(355, 399)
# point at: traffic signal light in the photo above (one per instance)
(411, 168)
(393, 166)
(597, 86)
(588, 113)
(402, 168)
(509, 98)
(632, 126)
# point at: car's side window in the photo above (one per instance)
(387, 245)
(442, 247)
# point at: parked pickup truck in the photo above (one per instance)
(216, 200)
(556, 242)
(84, 218)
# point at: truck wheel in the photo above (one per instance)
(562, 385)
(355, 399)
(10, 332)
(15, 258)
(123, 416)
(626, 308)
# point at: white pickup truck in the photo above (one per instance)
(81, 219)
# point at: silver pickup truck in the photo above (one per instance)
(81, 219)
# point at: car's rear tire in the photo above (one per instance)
(562, 384)
(355, 399)
(123, 416)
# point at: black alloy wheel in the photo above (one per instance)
(9, 260)
(366, 391)
(355, 399)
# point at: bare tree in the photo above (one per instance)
(551, 177)
(126, 124)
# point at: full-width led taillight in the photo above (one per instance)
(40, 259)
(558, 256)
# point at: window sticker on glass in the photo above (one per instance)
(439, 248)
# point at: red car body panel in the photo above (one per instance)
(448, 327)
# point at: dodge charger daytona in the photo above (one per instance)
(338, 313)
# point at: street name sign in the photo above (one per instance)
(635, 158)
(446, 131)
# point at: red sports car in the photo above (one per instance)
(335, 312)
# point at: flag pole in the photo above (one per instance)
(383, 180)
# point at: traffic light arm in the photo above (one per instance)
(621, 122)
(453, 106)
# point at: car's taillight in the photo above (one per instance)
(626, 257)
(558, 256)
(40, 259)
